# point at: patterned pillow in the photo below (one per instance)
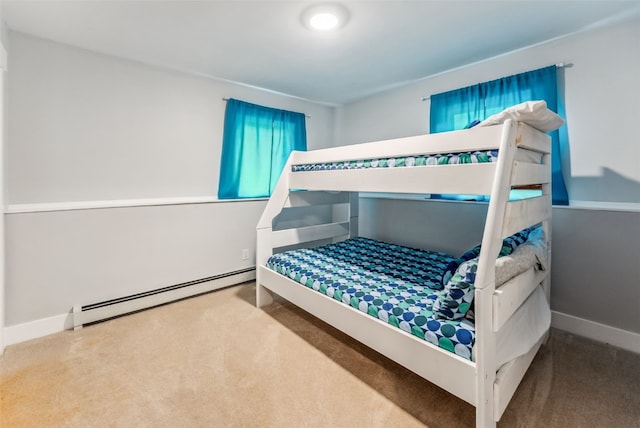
(509, 244)
(456, 299)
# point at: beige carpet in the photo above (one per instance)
(217, 361)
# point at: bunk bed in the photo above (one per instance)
(450, 319)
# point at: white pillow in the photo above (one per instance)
(533, 252)
(533, 113)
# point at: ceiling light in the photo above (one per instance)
(325, 17)
(323, 21)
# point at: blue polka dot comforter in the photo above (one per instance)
(395, 284)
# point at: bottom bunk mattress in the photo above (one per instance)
(395, 284)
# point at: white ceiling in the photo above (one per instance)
(263, 43)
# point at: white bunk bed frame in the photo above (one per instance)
(481, 383)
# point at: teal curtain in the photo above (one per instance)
(459, 108)
(256, 143)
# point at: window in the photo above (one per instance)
(256, 144)
(458, 108)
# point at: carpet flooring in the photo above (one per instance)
(218, 361)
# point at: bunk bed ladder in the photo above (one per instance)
(485, 278)
(505, 218)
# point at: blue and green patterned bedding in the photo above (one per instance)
(406, 161)
(395, 284)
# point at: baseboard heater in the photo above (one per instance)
(101, 311)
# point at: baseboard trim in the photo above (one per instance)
(38, 328)
(43, 327)
(624, 339)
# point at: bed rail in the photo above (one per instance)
(468, 140)
(448, 370)
(300, 235)
(306, 199)
(428, 179)
(524, 213)
(510, 295)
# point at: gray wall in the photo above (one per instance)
(596, 266)
(601, 89)
(59, 259)
(596, 243)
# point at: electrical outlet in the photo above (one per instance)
(245, 254)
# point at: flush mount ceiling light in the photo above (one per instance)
(325, 17)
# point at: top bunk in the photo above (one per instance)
(456, 162)
(510, 150)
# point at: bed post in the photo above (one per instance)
(354, 207)
(485, 279)
(546, 228)
(263, 252)
(264, 244)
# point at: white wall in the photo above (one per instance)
(601, 107)
(595, 258)
(88, 127)
(85, 127)
(3, 101)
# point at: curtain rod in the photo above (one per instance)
(225, 99)
(558, 65)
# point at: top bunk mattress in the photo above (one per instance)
(439, 159)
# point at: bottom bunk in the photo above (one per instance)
(416, 306)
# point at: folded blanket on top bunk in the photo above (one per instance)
(398, 285)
